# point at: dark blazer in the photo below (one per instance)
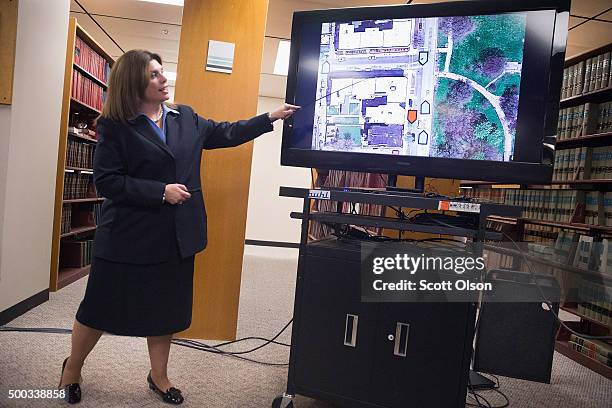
(132, 166)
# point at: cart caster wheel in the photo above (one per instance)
(278, 402)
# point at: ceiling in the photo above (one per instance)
(157, 27)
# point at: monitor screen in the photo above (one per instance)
(426, 90)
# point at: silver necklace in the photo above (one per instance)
(161, 113)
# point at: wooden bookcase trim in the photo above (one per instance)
(84, 200)
(599, 95)
(538, 186)
(78, 230)
(606, 138)
(567, 225)
(59, 278)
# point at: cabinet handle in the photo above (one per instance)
(350, 330)
(401, 339)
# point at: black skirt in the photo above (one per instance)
(138, 300)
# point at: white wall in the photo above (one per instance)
(30, 134)
(268, 213)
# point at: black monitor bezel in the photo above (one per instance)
(516, 172)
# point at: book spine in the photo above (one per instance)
(579, 78)
(564, 83)
(587, 75)
(593, 81)
(599, 72)
(605, 76)
(571, 81)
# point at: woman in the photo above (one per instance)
(153, 221)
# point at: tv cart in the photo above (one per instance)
(377, 355)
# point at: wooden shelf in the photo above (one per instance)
(66, 276)
(598, 96)
(503, 220)
(596, 140)
(84, 200)
(83, 137)
(83, 106)
(565, 266)
(567, 225)
(574, 311)
(468, 183)
(78, 169)
(78, 230)
(563, 347)
(90, 76)
(574, 182)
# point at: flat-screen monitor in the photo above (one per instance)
(463, 90)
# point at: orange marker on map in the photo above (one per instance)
(412, 115)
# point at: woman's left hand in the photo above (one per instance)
(283, 112)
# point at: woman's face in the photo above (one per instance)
(157, 90)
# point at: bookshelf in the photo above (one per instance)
(76, 202)
(577, 203)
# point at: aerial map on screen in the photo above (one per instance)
(434, 87)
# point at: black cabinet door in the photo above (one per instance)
(420, 354)
(332, 351)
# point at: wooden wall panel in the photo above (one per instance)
(8, 37)
(226, 172)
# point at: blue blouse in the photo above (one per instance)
(161, 132)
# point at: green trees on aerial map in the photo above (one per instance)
(487, 50)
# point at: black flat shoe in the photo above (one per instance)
(73, 391)
(171, 396)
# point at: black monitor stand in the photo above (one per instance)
(419, 184)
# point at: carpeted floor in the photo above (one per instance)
(115, 373)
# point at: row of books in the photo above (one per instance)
(543, 234)
(601, 163)
(594, 349)
(75, 253)
(77, 185)
(569, 164)
(66, 219)
(583, 163)
(558, 205)
(583, 120)
(79, 154)
(97, 207)
(595, 301)
(90, 61)
(340, 178)
(586, 76)
(565, 243)
(79, 215)
(581, 251)
(87, 91)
